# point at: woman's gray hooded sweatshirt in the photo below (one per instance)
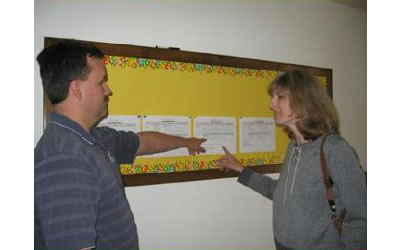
(301, 215)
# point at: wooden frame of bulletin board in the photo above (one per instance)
(166, 82)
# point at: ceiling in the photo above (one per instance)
(358, 4)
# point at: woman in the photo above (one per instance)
(301, 215)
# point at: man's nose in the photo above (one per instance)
(108, 91)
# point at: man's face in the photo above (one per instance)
(95, 91)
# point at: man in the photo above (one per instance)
(80, 201)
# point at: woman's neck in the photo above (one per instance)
(300, 140)
(298, 136)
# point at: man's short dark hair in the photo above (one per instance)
(62, 63)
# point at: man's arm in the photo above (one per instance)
(156, 142)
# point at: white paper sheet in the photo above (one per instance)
(219, 131)
(122, 122)
(257, 135)
(173, 125)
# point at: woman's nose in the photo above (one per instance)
(272, 104)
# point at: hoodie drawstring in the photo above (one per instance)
(295, 168)
(297, 160)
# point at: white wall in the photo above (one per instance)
(220, 213)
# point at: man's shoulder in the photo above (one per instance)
(58, 155)
(99, 132)
(58, 141)
(108, 135)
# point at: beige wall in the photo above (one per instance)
(220, 213)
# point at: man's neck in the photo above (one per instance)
(74, 116)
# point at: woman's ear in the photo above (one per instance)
(75, 89)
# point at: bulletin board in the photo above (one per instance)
(148, 81)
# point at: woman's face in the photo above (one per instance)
(280, 105)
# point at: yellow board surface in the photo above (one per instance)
(166, 88)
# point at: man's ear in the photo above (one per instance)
(75, 89)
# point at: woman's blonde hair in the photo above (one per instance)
(310, 102)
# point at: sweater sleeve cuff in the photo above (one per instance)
(245, 175)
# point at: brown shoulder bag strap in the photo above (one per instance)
(325, 173)
(338, 221)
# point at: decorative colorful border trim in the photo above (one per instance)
(133, 63)
(179, 166)
(323, 81)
